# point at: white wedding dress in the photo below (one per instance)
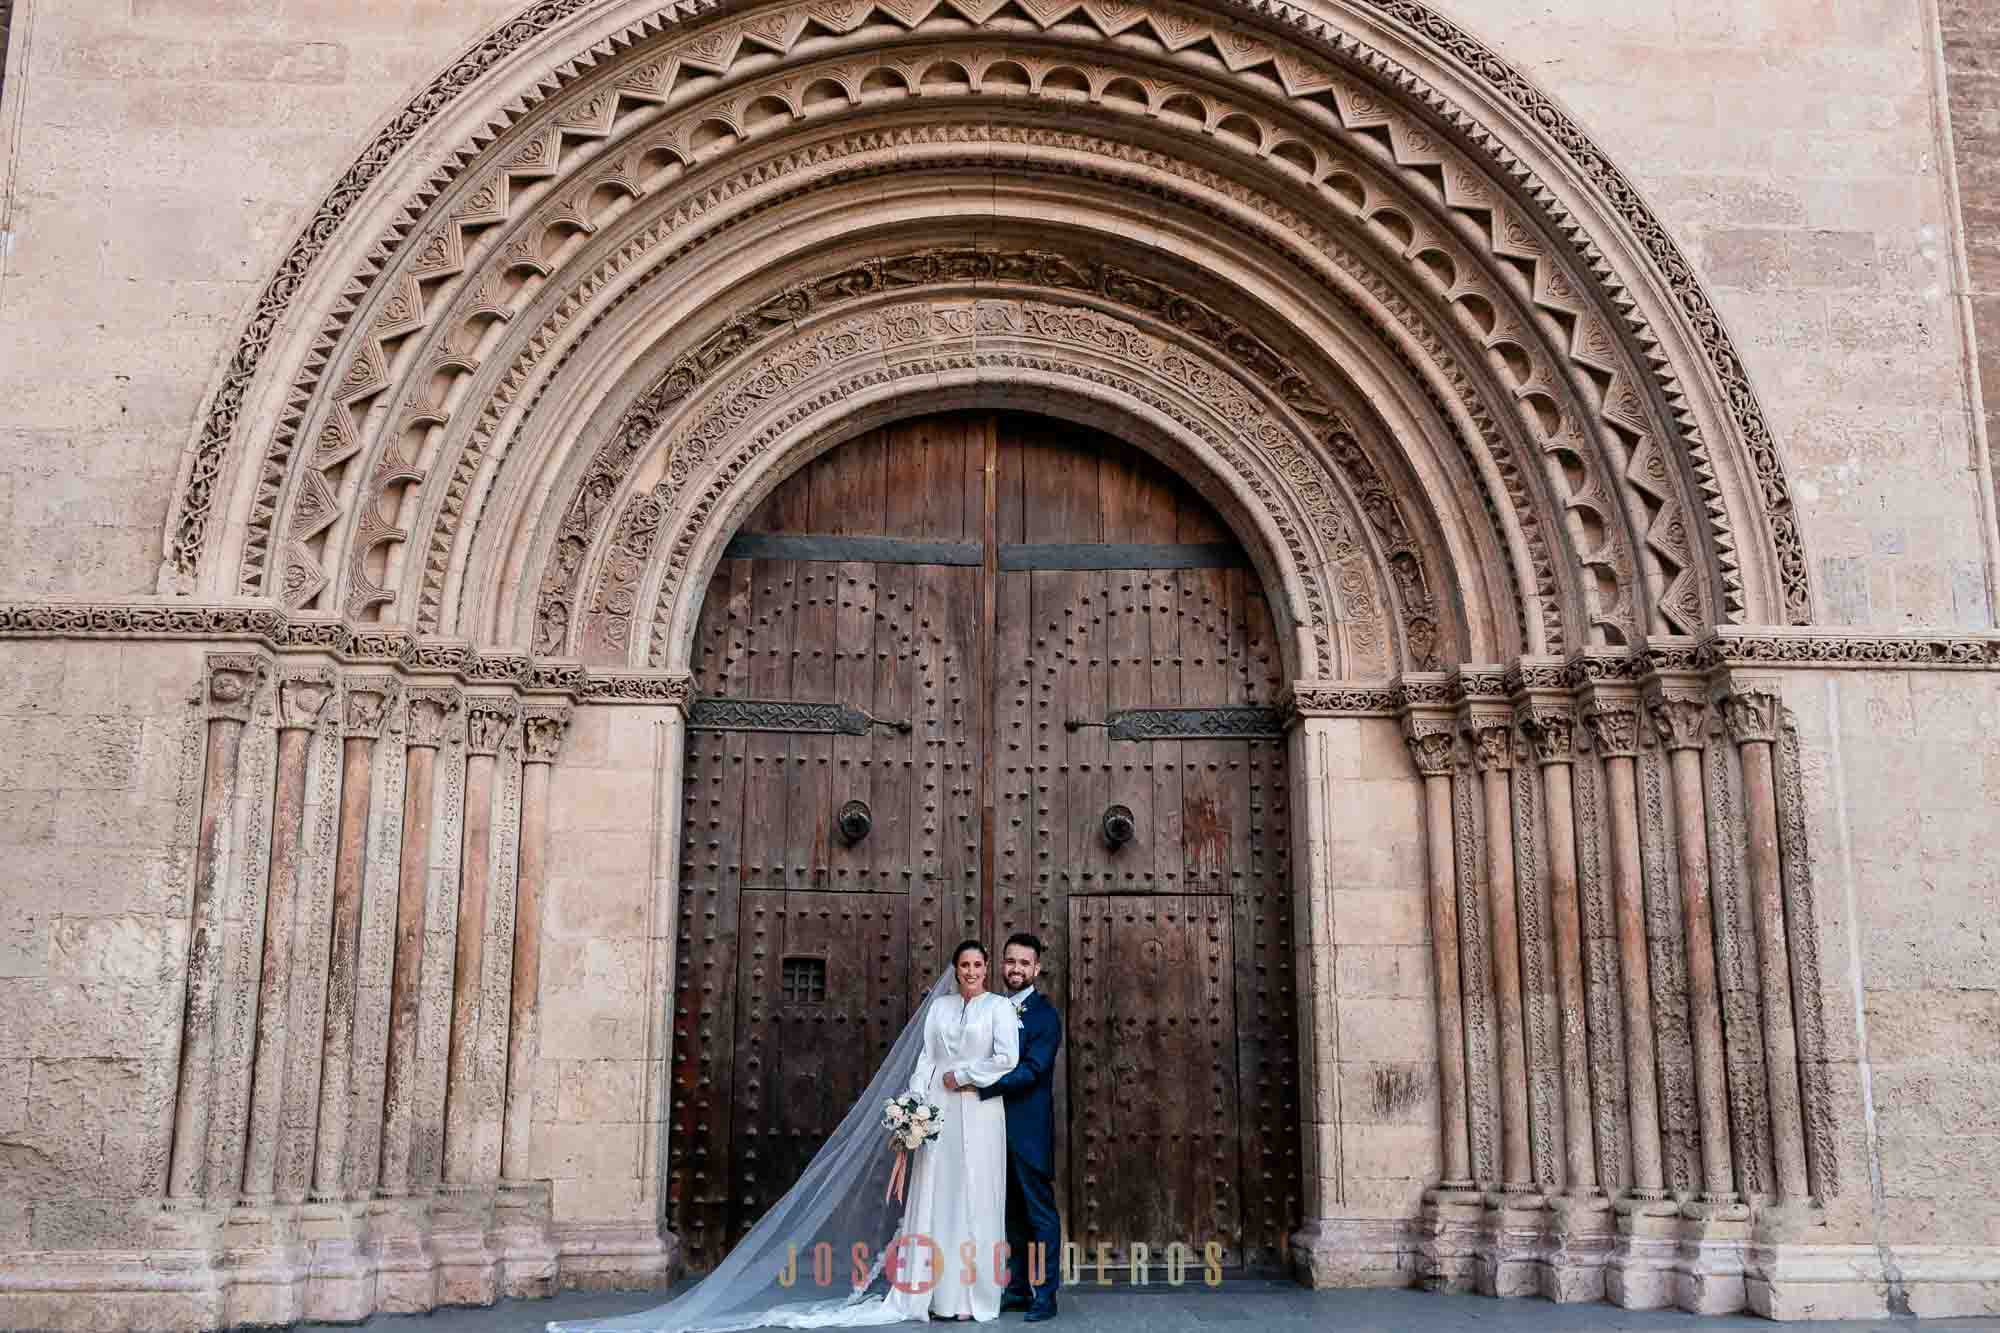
(957, 1190)
(956, 1196)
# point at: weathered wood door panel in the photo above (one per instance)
(1156, 1158)
(926, 573)
(821, 994)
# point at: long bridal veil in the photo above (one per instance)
(768, 1280)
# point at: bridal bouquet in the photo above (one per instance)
(912, 1122)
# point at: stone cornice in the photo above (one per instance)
(344, 642)
(1767, 649)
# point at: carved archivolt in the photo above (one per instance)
(793, 387)
(1291, 457)
(1446, 245)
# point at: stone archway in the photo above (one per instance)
(1002, 634)
(1387, 310)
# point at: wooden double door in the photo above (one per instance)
(917, 667)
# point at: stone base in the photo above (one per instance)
(344, 1262)
(1449, 1250)
(1639, 1272)
(332, 1262)
(1356, 1252)
(1512, 1246)
(1708, 1278)
(1580, 1236)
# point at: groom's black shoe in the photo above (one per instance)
(1010, 1303)
(1037, 1313)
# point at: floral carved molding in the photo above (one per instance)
(366, 645)
(1275, 454)
(406, 282)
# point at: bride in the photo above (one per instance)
(939, 1254)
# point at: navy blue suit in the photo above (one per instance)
(1029, 1088)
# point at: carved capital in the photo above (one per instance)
(369, 699)
(1550, 728)
(230, 683)
(1751, 712)
(542, 729)
(488, 720)
(1614, 728)
(302, 697)
(431, 709)
(1433, 743)
(1679, 714)
(1489, 732)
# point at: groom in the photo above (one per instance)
(1031, 1137)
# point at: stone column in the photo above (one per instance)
(1549, 724)
(1433, 746)
(489, 722)
(229, 688)
(1613, 719)
(1750, 711)
(542, 731)
(367, 704)
(430, 711)
(1490, 732)
(301, 697)
(1679, 710)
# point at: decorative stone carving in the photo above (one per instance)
(231, 683)
(1312, 700)
(1492, 743)
(1433, 744)
(1751, 713)
(1679, 714)
(429, 713)
(714, 427)
(542, 729)
(488, 723)
(1614, 728)
(302, 696)
(1549, 725)
(369, 699)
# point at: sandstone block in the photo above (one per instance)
(24, 946)
(599, 1091)
(75, 753)
(1388, 1030)
(138, 947)
(568, 1152)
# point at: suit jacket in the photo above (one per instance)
(1029, 1086)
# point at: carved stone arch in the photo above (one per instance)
(1430, 92)
(1419, 349)
(555, 521)
(680, 567)
(1232, 439)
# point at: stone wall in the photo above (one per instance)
(97, 838)
(606, 971)
(1903, 779)
(159, 157)
(1791, 147)
(1971, 55)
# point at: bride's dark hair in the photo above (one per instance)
(963, 945)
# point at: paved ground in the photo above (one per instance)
(1281, 1307)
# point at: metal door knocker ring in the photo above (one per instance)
(1119, 826)
(854, 821)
